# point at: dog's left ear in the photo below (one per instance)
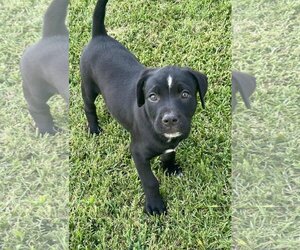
(245, 84)
(140, 86)
(202, 83)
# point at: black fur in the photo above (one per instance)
(98, 19)
(245, 84)
(157, 116)
(55, 18)
(44, 67)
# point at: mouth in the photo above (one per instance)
(172, 135)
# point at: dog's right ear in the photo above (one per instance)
(140, 86)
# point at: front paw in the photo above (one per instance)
(173, 170)
(96, 130)
(155, 206)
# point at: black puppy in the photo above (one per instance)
(44, 67)
(155, 105)
(245, 84)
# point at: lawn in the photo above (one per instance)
(106, 197)
(33, 169)
(266, 139)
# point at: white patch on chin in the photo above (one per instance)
(169, 151)
(173, 135)
(170, 81)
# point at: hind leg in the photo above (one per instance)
(90, 91)
(40, 110)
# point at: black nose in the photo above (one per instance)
(170, 119)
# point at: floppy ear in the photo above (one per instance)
(245, 84)
(140, 86)
(202, 84)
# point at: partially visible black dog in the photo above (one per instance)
(245, 84)
(155, 105)
(44, 67)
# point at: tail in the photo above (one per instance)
(54, 19)
(98, 18)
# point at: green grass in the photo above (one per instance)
(33, 170)
(106, 197)
(265, 140)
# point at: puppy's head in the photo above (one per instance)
(169, 98)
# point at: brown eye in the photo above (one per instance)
(153, 97)
(185, 94)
